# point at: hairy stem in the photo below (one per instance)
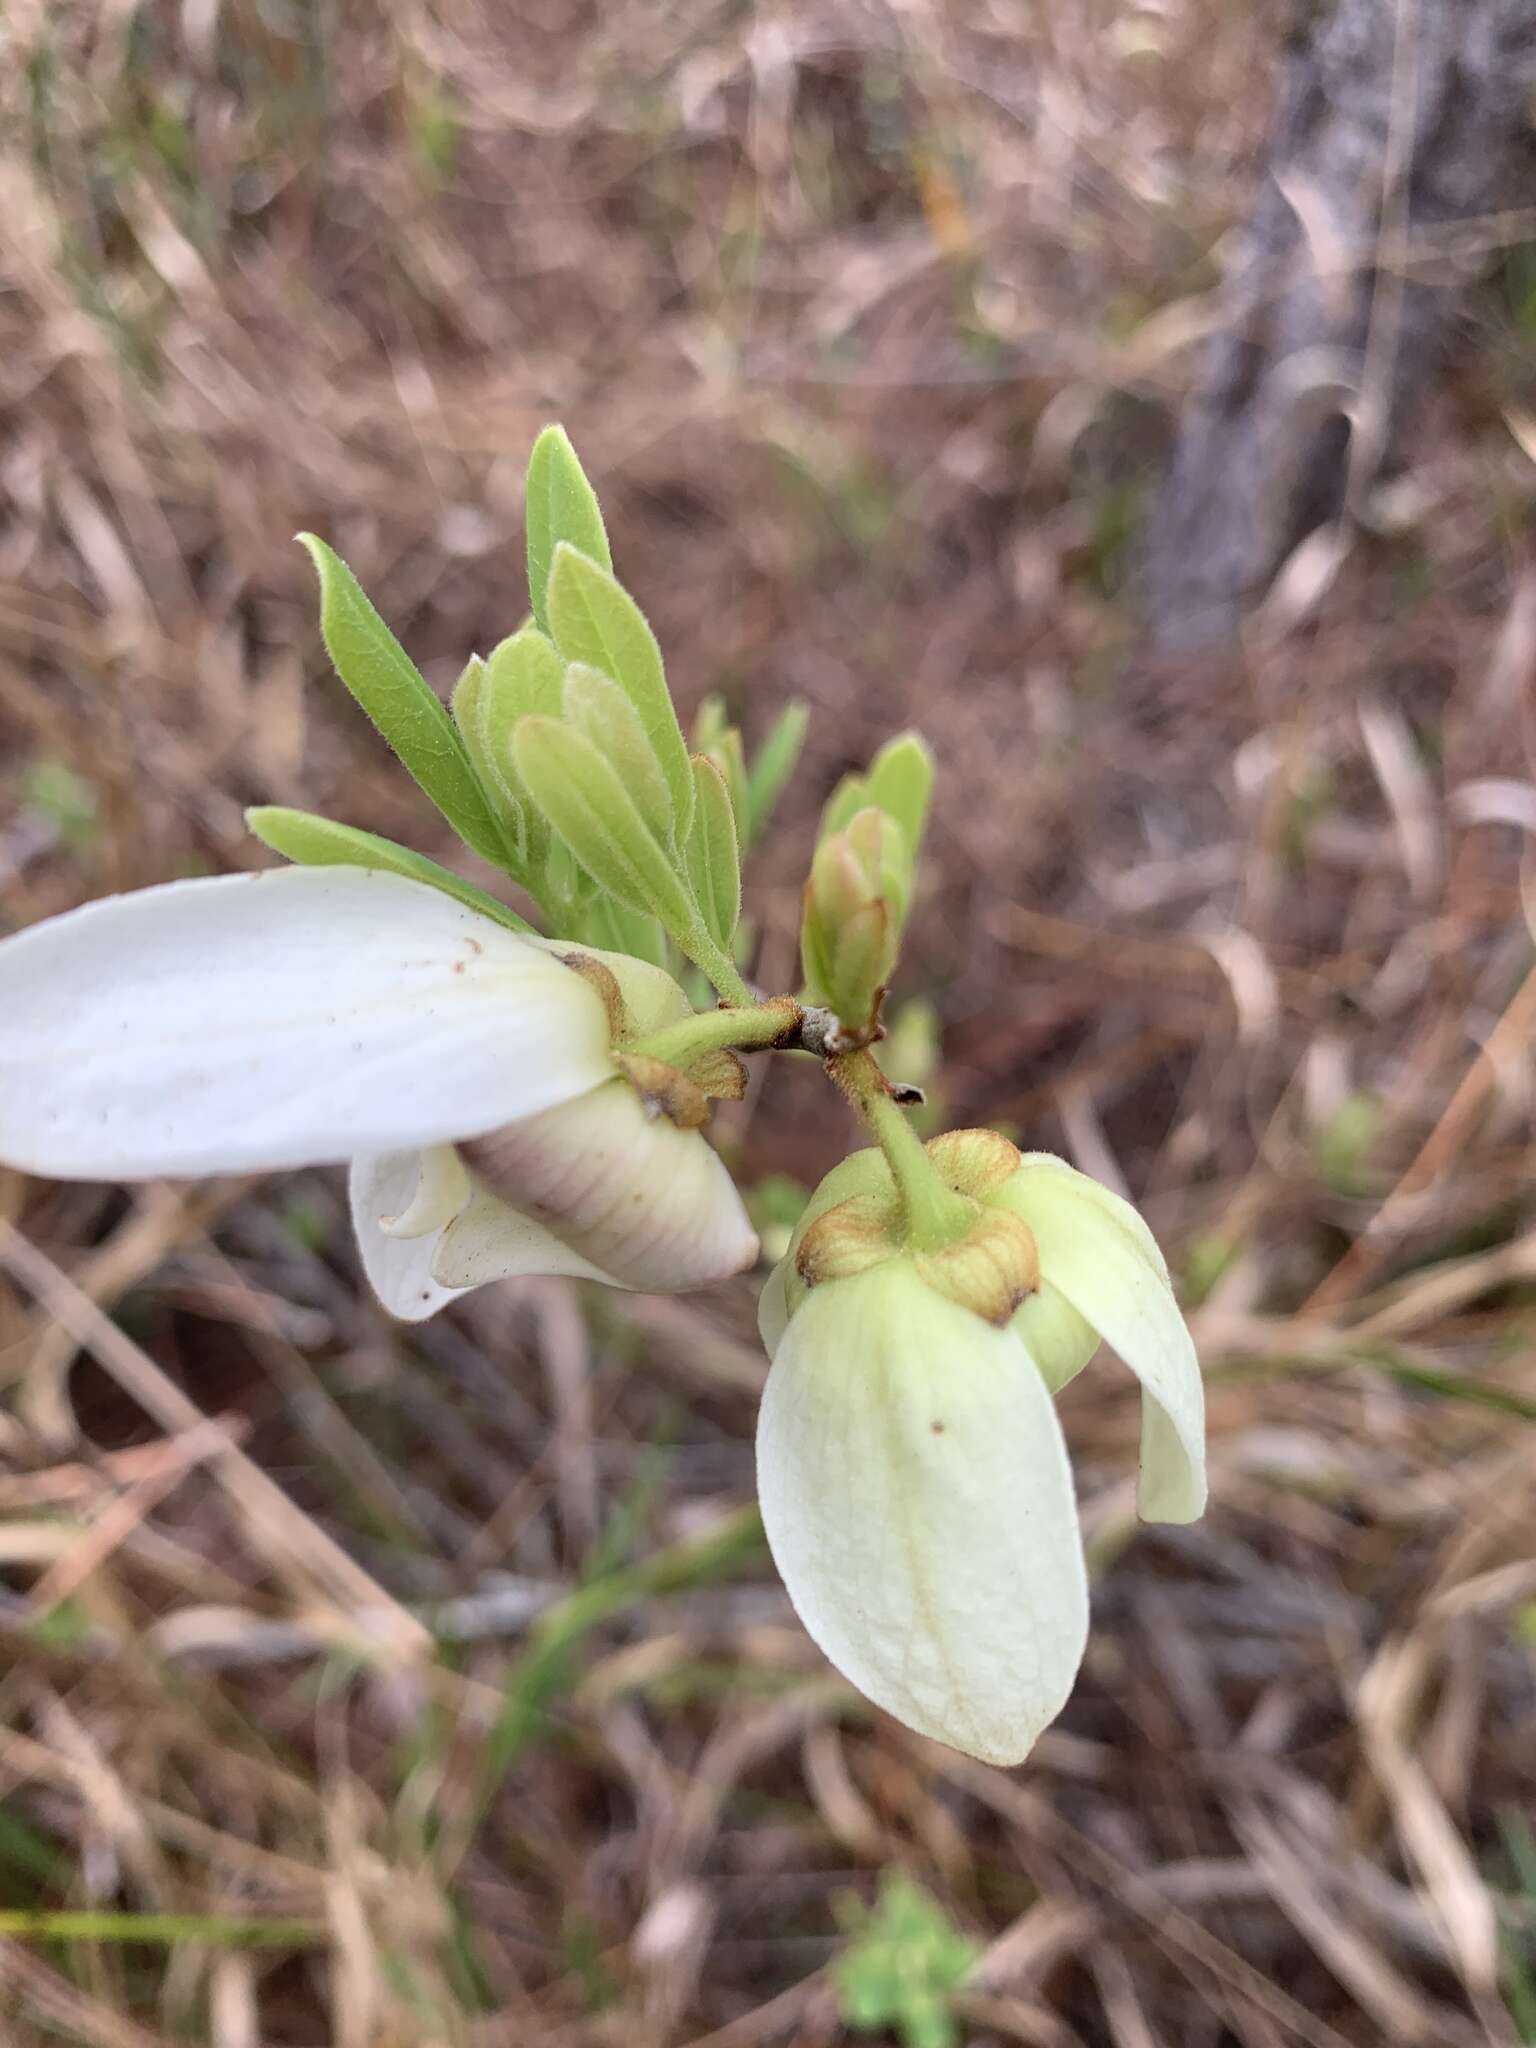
(763, 1024)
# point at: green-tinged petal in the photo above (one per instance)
(1097, 1251)
(651, 997)
(919, 1506)
(283, 1019)
(1057, 1338)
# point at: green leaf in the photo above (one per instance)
(711, 722)
(586, 802)
(506, 805)
(562, 506)
(598, 708)
(903, 1967)
(317, 842)
(714, 859)
(522, 676)
(773, 765)
(596, 621)
(846, 801)
(396, 696)
(728, 757)
(901, 783)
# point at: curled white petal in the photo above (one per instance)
(491, 1241)
(919, 1506)
(399, 1269)
(1057, 1338)
(283, 1019)
(649, 1205)
(1100, 1255)
(442, 1189)
(482, 1240)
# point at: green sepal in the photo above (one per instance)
(773, 765)
(901, 783)
(594, 620)
(317, 842)
(396, 696)
(597, 707)
(714, 858)
(561, 506)
(584, 799)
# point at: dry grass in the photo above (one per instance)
(430, 1686)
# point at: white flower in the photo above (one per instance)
(914, 1482)
(314, 1015)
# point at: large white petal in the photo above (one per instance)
(416, 1276)
(919, 1506)
(282, 1019)
(651, 1206)
(1092, 1254)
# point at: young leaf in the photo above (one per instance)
(562, 506)
(467, 704)
(597, 707)
(585, 800)
(901, 783)
(714, 859)
(773, 765)
(395, 695)
(710, 723)
(321, 843)
(846, 801)
(595, 620)
(729, 758)
(522, 676)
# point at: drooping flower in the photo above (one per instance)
(914, 1480)
(472, 1077)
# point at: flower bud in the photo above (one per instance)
(855, 902)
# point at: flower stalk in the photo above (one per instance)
(934, 1214)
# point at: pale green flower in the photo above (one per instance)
(914, 1481)
(332, 1014)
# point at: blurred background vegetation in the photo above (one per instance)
(367, 1685)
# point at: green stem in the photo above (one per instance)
(162, 1929)
(936, 1215)
(761, 1024)
(714, 963)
